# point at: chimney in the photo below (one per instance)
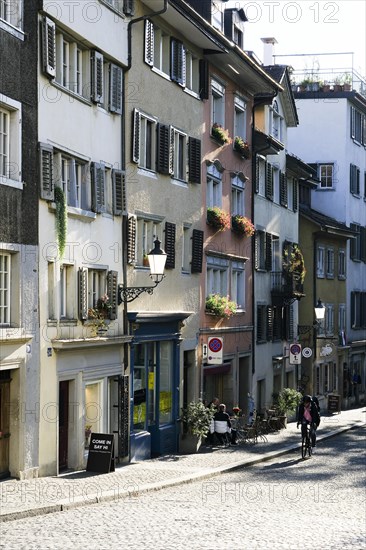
(268, 50)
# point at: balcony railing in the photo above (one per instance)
(285, 287)
(328, 80)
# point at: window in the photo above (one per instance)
(329, 319)
(325, 377)
(192, 72)
(217, 103)
(10, 142)
(66, 292)
(330, 263)
(320, 262)
(5, 288)
(180, 155)
(341, 263)
(326, 176)
(51, 289)
(70, 175)
(122, 6)
(275, 121)
(238, 283)
(72, 65)
(334, 381)
(355, 242)
(217, 16)
(276, 185)
(358, 310)
(161, 50)
(11, 11)
(341, 318)
(148, 229)
(237, 195)
(261, 176)
(240, 119)
(214, 187)
(144, 140)
(93, 284)
(354, 179)
(217, 276)
(358, 126)
(238, 36)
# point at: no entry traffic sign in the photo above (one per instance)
(215, 350)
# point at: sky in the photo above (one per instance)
(308, 27)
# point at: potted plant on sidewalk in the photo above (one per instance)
(196, 419)
(286, 403)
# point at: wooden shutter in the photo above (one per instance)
(353, 242)
(96, 77)
(131, 239)
(260, 323)
(177, 62)
(112, 288)
(129, 7)
(194, 160)
(283, 189)
(46, 172)
(164, 152)
(269, 181)
(83, 293)
(197, 251)
(149, 43)
(119, 192)
(363, 243)
(257, 237)
(268, 256)
(269, 324)
(115, 89)
(98, 187)
(136, 136)
(204, 79)
(49, 47)
(170, 230)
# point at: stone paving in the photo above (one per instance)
(51, 494)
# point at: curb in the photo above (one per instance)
(111, 496)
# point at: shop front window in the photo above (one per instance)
(92, 411)
(165, 406)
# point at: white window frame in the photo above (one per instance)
(237, 196)
(240, 117)
(217, 103)
(275, 121)
(10, 142)
(11, 16)
(72, 66)
(66, 295)
(161, 51)
(97, 285)
(238, 283)
(147, 231)
(342, 264)
(192, 72)
(214, 187)
(320, 262)
(342, 311)
(217, 275)
(330, 257)
(5, 288)
(180, 155)
(326, 176)
(261, 177)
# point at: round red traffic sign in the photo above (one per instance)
(295, 349)
(215, 345)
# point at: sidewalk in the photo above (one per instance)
(53, 494)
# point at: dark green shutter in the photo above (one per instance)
(197, 251)
(177, 62)
(163, 149)
(283, 189)
(115, 89)
(97, 77)
(83, 293)
(204, 79)
(46, 172)
(131, 239)
(194, 160)
(269, 323)
(268, 252)
(112, 287)
(269, 181)
(119, 192)
(170, 230)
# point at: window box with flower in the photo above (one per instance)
(218, 218)
(241, 146)
(98, 315)
(293, 263)
(242, 226)
(219, 133)
(220, 306)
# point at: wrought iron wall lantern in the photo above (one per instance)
(319, 310)
(157, 259)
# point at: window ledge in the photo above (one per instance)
(4, 25)
(71, 93)
(77, 213)
(14, 334)
(11, 183)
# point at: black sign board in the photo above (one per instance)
(101, 453)
(334, 403)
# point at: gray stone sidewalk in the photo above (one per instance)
(45, 495)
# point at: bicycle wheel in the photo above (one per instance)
(308, 442)
(303, 447)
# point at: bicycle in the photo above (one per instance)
(306, 443)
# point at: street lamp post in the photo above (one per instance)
(319, 310)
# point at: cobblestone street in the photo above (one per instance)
(285, 503)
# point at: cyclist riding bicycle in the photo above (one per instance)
(308, 414)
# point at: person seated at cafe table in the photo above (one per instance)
(223, 429)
